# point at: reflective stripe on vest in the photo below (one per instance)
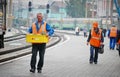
(41, 30)
(95, 38)
(113, 32)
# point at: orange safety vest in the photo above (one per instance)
(41, 30)
(113, 32)
(95, 38)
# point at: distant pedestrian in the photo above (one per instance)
(95, 39)
(39, 27)
(85, 32)
(104, 32)
(112, 34)
(77, 30)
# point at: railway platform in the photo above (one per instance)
(67, 59)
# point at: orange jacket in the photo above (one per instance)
(41, 30)
(113, 32)
(95, 38)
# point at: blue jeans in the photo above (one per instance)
(93, 54)
(112, 42)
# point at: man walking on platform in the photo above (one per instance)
(95, 39)
(39, 27)
(112, 34)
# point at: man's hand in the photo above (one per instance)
(47, 35)
(87, 43)
(43, 33)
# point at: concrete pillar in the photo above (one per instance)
(9, 15)
(86, 9)
(107, 13)
(111, 12)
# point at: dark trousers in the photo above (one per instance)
(77, 33)
(35, 48)
(93, 53)
(85, 34)
(112, 42)
(104, 33)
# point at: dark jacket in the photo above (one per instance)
(118, 35)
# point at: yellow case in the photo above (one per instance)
(36, 38)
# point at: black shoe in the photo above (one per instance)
(91, 62)
(32, 70)
(95, 62)
(112, 48)
(39, 71)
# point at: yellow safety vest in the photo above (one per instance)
(41, 30)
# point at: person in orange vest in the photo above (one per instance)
(39, 27)
(95, 39)
(118, 42)
(112, 34)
